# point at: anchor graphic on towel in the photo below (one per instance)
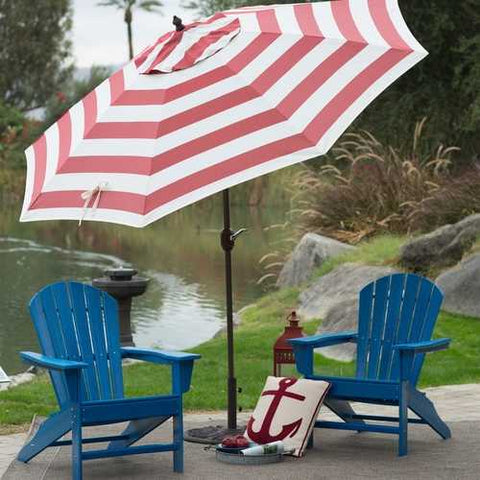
(263, 435)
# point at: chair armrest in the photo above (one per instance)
(326, 340)
(50, 362)
(182, 364)
(303, 348)
(157, 356)
(424, 347)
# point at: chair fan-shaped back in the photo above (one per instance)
(399, 308)
(78, 322)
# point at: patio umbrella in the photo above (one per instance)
(213, 104)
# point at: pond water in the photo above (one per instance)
(184, 304)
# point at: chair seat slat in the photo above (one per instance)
(412, 283)
(40, 322)
(110, 312)
(364, 326)
(382, 287)
(97, 331)
(393, 315)
(84, 338)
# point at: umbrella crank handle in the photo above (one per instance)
(236, 234)
(228, 238)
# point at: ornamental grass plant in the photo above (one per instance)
(367, 188)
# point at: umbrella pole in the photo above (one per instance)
(227, 242)
(210, 434)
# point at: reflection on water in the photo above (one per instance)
(184, 304)
(184, 317)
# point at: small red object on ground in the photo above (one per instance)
(282, 350)
(237, 441)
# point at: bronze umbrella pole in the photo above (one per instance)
(227, 240)
(215, 434)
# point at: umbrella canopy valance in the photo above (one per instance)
(214, 104)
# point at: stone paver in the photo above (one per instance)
(456, 403)
(9, 446)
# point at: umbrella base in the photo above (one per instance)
(211, 434)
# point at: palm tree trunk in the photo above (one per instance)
(130, 40)
(128, 21)
(256, 192)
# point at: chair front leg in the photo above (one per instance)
(406, 362)
(403, 420)
(178, 440)
(73, 385)
(76, 443)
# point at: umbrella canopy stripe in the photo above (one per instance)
(155, 96)
(282, 88)
(115, 126)
(285, 109)
(124, 131)
(308, 138)
(278, 87)
(126, 201)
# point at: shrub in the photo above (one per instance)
(455, 199)
(12, 137)
(369, 189)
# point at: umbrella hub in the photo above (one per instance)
(177, 22)
(190, 44)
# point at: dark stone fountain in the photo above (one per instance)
(123, 284)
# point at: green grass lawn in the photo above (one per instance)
(381, 250)
(254, 339)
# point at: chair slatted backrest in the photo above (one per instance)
(79, 322)
(399, 308)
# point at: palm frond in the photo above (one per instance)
(112, 3)
(150, 5)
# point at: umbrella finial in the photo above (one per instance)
(177, 21)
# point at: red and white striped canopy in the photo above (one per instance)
(220, 102)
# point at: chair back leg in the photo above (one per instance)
(424, 408)
(48, 432)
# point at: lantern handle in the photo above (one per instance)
(293, 318)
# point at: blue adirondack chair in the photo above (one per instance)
(397, 315)
(77, 327)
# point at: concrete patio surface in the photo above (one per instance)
(336, 455)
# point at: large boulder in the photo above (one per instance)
(334, 299)
(443, 247)
(343, 282)
(310, 253)
(461, 286)
(342, 317)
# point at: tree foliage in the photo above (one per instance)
(73, 92)
(34, 50)
(445, 87)
(12, 136)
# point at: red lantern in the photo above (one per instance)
(282, 350)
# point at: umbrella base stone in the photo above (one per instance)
(211, 434)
